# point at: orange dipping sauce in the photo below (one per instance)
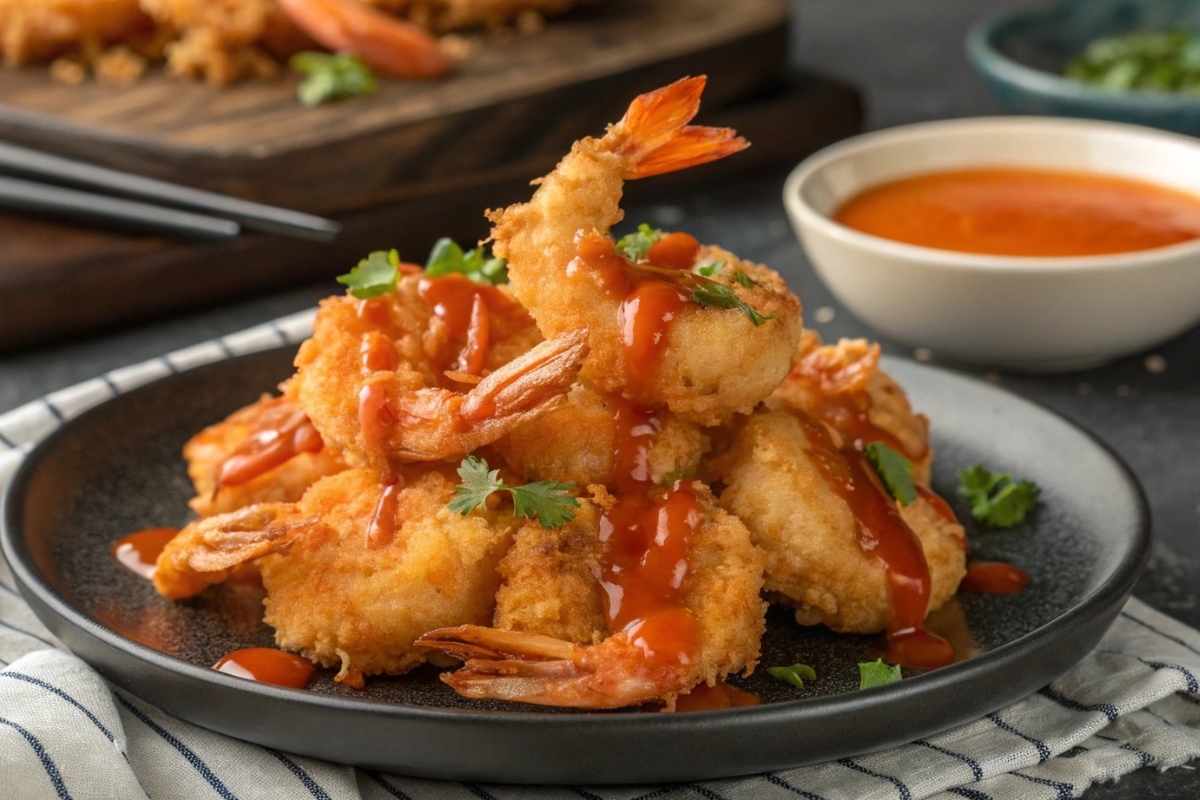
(1025, 212)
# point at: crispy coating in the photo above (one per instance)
(336, 592)
(578, 439)
(422, 413)
(340, 602)
(546, 657)
(808, 531)
(837, 382)
(208, 451)
(550, 581)
(696, 379)
(39, 30)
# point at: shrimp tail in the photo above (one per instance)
(526, 383)
(540, 670)
(657, 138)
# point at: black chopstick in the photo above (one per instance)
(21, 195)
(256, 216)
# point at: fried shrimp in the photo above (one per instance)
(356, 570)
(678, 583)
(843, 386)
(837, 546)
(39, 30)
(651, 326)
(433, 371)
(577, 441)
(267, 452)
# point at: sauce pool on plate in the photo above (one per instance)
(1025, 212)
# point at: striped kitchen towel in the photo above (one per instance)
(64, 733)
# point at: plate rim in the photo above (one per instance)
(1106, 597)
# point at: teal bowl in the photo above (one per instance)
(1021, 55)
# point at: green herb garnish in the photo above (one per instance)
(1157, 61)
(637, 245)
(894, 470)
(710, 293)
(877, 673)
(796, 674)
(710, 270)
(744, 279)
(996, 499)
(549, 501)
(375, 275)
(331, 76)
(447, 258)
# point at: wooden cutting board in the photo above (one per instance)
(509, 102)
(412, 163)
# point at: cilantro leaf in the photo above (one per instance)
(796, 674)
(636, 245)
(331, 76)
(894, 470)
(549, 501)
(710, 293)
(447, 258)
(877, 673)
(709, 270)
(997, 499)
(375, 275)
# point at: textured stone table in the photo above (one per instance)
(907, 56)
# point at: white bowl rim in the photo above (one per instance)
(793, 198)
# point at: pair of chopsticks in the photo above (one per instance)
(152, 205)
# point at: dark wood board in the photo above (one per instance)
(508, 105)
(58, 281)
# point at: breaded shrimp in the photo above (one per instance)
(267, 452)
(678, 580)
(653, 338)
(356, 570)
(39, 30)
(426, 374)
(578, 440)
(836, 544)
(842, 385)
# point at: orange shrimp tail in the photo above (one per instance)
(658, 138)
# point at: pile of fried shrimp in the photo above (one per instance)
(712, 452)
(223, 41)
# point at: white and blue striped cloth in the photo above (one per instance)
(64, 733)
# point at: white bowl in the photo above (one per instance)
(1027, 313)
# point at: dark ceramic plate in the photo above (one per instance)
(117, 468)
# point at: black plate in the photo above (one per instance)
(117, 469)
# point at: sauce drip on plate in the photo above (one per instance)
(883, 534)
(720, 695)
(1025, 212)
(267, 665)
(139, 551)
(994, 577)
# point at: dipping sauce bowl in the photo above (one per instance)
(1029, 313)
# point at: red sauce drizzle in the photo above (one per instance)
(994, 577)
(466, 308)
(883, 533)
(140, 551)
(720, 695)
(374, 417)
(379, 353)
(645, 317)
(674, 251)
(382, 529)
(645, 538)
(648, 305)
(267, 665)
(375, 311)
(269, 449)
